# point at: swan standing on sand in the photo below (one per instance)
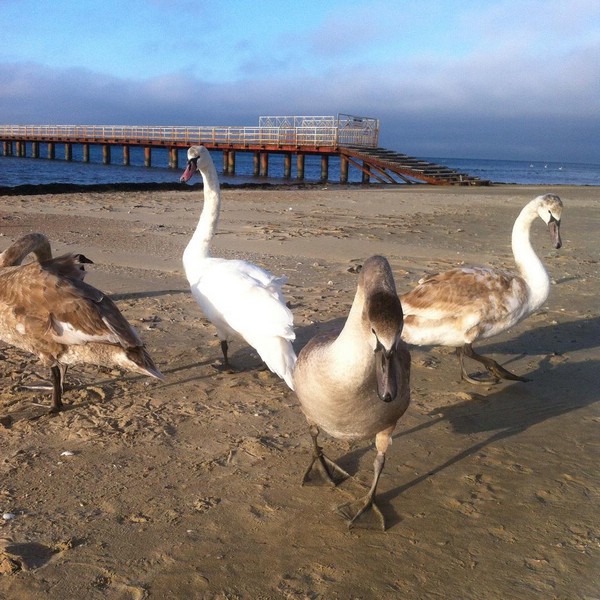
(239, 298)
(355, 384)
(47, 309)
(460, 306)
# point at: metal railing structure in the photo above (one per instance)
(297, 131)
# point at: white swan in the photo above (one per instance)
(460, 306)
(239, 298)
(354, 384)
(46, 309)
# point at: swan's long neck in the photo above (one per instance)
(33, 242)
(530, 266)
(198, 247)
(352, 349)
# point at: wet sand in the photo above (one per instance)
(190, 488)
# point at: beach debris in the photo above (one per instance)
(67, 453)
(8, 516)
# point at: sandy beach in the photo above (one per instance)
(190, 488)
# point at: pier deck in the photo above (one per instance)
(353, 139)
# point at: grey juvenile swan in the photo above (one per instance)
(47, 309)
(460, 306)
(354, 384)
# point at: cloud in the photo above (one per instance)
(473, 106)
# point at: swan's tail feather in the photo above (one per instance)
(278, 354)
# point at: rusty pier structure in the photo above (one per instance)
(352, 138)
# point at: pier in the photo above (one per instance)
(351, 138)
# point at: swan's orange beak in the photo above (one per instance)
(189, 171)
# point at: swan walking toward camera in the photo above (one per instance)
(239, 298)
(47, 309)
(461, 306)
(354, 384)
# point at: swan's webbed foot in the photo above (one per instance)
(502, 373)
(496, 371)
(359, 510)
(328, 470)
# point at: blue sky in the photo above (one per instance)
(458, 78)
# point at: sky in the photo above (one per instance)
(505, 79)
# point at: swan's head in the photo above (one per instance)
(198, 159)
(550, 211)
(383, 313)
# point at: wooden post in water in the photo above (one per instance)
(256, 164)
(86, 153)
(51, 150)
(126, 159)
(287, 165)
(7, 148)
(324, 167)
(106, 154)
(343, 169)
(173, 158)
(225, 162)
(147, 156)
(300, 165)
(231, 162)
(264, 164)
(366, 178)
(68, 151)
(35, 149)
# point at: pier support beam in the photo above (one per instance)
(366, 178)
(7, 148)
(300, 165)
(324, 167)
(35, 149)
(51, 150)
(225, 161)
(86, 153)
(343, 169)
(256, 164)
(147, 156)
(106, 154)
(264, 164)
(231, 162)
(126, 155)
(173, 158)
(68, 151)
(287, 165)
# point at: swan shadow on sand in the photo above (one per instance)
(505, 412)
(141, 295)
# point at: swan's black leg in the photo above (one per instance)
(57, 388)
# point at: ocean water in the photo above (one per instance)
(15, 171)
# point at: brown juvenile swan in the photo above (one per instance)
(460, 306)
(354, 384)
(47, 309)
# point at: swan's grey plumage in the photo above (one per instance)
(460, 306)
(48, 310)
(354, 384)
(239, 298)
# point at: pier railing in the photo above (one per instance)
(316, 132)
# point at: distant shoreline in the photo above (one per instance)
(73, 188)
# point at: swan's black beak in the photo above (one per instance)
(554, 229)
(385, 373)
(191, 168)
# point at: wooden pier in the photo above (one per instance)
(353, 139)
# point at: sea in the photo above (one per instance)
(18, 171)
